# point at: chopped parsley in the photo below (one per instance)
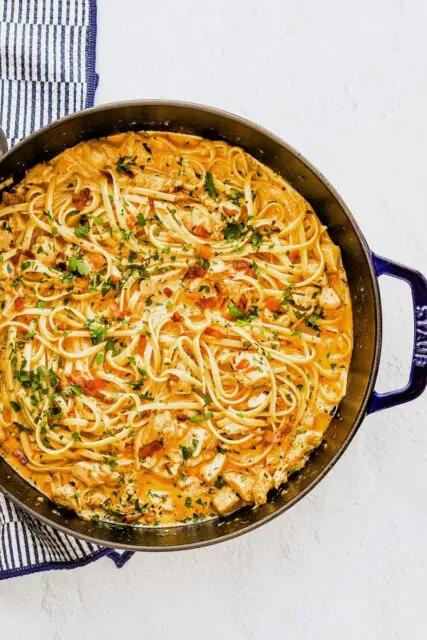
(124, 164)
(236, 197)
(82, 231)
(233, 231)
(219, 482)
(209, 185)
(77, 267)
(97, 330)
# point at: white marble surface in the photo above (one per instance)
(346, 84)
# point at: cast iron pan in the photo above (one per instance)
(362, 268)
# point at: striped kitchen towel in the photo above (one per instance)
(47, 70)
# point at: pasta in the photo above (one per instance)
(175, 329)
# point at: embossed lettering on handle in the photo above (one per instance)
(420, 354)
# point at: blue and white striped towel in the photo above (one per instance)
(47, 70)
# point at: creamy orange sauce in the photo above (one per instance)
(176, 329)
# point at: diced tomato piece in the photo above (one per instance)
(92, 387)
(140, 347)
(196, 272)
(81, 198)
(243, 301)
(173, 377)
(149, 449)
(273, 304)
(215, 333)
(200, 231)
(242, 364)
(181, 417)
(176, 317)
(118, 313)
(207, 303)
(241, 265)
(168, 292)
(19, 304)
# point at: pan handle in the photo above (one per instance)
(418, 373)
(3, 143)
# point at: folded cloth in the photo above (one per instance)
(47, 70)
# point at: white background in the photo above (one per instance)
(346, 84)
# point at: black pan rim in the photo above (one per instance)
(377, 328)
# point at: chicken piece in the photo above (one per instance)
(295, 459)
(251, 369)
(305, 297)
(178, 384)
(148, 288)
(281, 473)
(161, 426)
(148, 462)
(93, 474)
(262, 486)
(329, 299)
(44, 250)
(95, 499)
(242, 483)
(128, 491)
(217, 266)
(161, 498)
(167, 468)
(226, 501)
(203, 223)
(332, 256)
(195, 441)
(323, 406)
(255, 401)
(191, 484)
(233, 428)
(213, 468)
(302, 446)
(197, 287)
(152, 181)
(322, 279)
(66, 495)
(98, 154)
(308, 419)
